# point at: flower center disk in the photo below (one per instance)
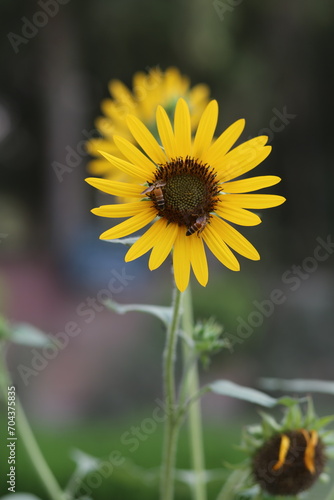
(189, 189)
(184, 193)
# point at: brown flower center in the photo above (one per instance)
(289, 463)
(184, 190)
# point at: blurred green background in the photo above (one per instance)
(261, 60)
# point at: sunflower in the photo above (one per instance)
(189, 195)
(289, 462)
(149, 90)
(284, 457)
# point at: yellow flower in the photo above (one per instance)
(149, 90)
(191, 195)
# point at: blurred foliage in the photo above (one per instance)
(102, 439)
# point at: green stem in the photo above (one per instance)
(191, 389)
(37, 459)
(27, 438)
(172, 425)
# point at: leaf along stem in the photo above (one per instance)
(28, 439)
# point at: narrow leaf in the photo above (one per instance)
(161, 312)
(125, 241)
(298, 385)
(25, 334)
(228, 388)
(85, 463)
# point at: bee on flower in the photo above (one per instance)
(199, 193)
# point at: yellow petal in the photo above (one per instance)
(166, 133)
(135, 156)
(206, 129)
(198, 260)
(130, 226)
(283, 451)
(234, 239)
(146, 241)
(254, 200)
(252, 184)
(116, 188)
(182, 129)
(116, 113)
(163, 246)
(219, 249)
(181, 260)
(120, 91)
(126, 167)
(93, 146)
(145, 139)
(225, 141)
(237, 215)
(198, 97)
(122, 209)
(241, 160)
(100, 167)
(107, 128)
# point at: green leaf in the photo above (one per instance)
(125, 241)
(189, 477)
(323, 422)
(85, 463)
(298, 385)
(228, 388)
(161, 312)
(269, 424)
(234, 485)
(293, 418)
(25, 334)
(289, 402)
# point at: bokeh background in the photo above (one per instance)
(261, 60)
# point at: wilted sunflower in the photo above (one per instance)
(290, 462)
(149, 90)
(190, 192)
(284, 458)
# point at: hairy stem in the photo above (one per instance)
(192, 389)
(172, 424)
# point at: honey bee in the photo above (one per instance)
(156, 190)
(198, 225)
